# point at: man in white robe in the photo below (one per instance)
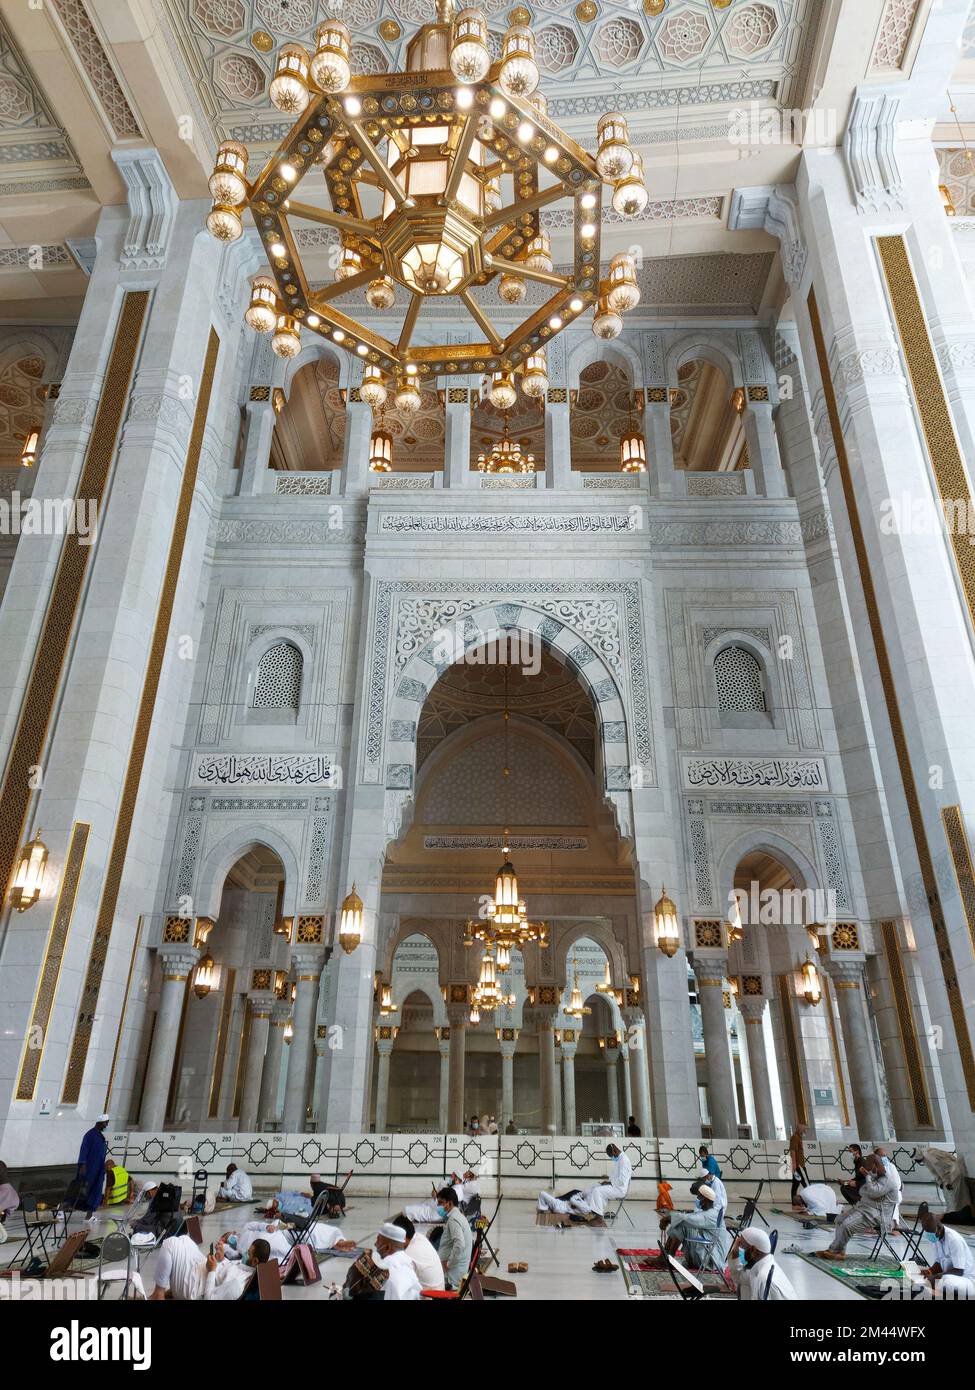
(874, 1211)
(403, 1285)
(951, 1273)
(719, 1190)
(754, 1271)
(593, 1201)
(180, 1270)
(426, 1261)
(227, 1280)
(430, 1213)
(892, 1172)
(236, 1186)
(819, 1199)
(237, 1243)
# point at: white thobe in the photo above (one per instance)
(819, 1199)
(259, 1230)
(426, 1262)
(321, 1236)
(720, 1196)
(237, 1188)
(181, 1268)
(952, 1251)
(892, 1172)
(751, 1282)
(424, 1214)
(227, 1282)
(402, 1284)
(595, 1199)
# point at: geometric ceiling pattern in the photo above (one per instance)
(30, 134)
(957, 173)
(22, 397)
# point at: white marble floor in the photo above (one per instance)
(559, 1261)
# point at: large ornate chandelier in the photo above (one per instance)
(436, 178)
(506, 456)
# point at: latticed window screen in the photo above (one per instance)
(279, 678)
(739, 679)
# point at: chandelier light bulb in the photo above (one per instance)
(470, 60)
(289, 85)
(497, 108)
(331, 67)
(614, 158)
(518, 74)
(286, 342)
(606, 323)
(622, 288)
(262, 312)
(228, 182)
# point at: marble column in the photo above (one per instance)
(307, 962)
(267, 1105)
(660, 444)
(356, 477)
(177, 963)
(316, 1104)
(384, 1052)
(569, 1048)
(257, 447)
(457, 441)
(458, 1050)
(558, 441)
(710, 972)
(545, 1032)
(627, 1083)
(636, 1034)
(507, 1046)
(611, 1057)
(260, 1003)
(443, 1046)
(763, 450)
(752, 1010)
(858, 1045)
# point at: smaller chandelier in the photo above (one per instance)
(633, 452)
(262, 312)
(29, 874)
(810, 986)
(350, 922)
(381, 451)
(28, 454)
(373, 388)
(666, 926)
(507, 916)
(203, 977)
(286, 342)
(534, 379)
(575, 1007)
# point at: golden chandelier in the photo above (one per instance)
(436, 178)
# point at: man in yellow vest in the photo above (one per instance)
(119, 1187)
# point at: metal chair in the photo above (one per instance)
(621, 1207)
(115, 1247)
(705, 1245)
(36, 1231)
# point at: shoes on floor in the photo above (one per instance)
(517, 1267)
(606, 1267)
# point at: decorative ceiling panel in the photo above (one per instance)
(29, 131)
(957, 173)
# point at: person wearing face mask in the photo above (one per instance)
(456, 1241)
(753, 1269)
(237, 1242)
(228, 1280)
(691, 1229)
(466, 1186)
(402, 1285)
(951, 1273)
(874, 1211)
(426, 1261)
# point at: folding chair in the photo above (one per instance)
(480, 1223)
(115, 1247)
(882, 1242)
(269, 1282)
(621, 1207)
(913, 1237)
(692, 1291)
(705, 1244)
(36, 1230)
(752, 1209)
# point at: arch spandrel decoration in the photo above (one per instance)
(221, 857)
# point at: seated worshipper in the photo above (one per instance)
(750, 1263)
(9, 1197)
(875, 1209)
(236, 1186)
(425, 1259)
(593, 1201)
(119, 1187)
(692, 1229)
(429, 1213)
(181, 1269)
(456, 1241)
(390, 1254)
(951, 1273)
(851, 1190)
(892, 1172)
(720, 1195)
(237, 1242)
(230, 1280)
(819, 1199)
(708, 1162)
(162, 1212)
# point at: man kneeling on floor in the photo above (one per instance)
(694, 1231)
(754, 1271)
(593, 1201)
(875, 1210)
(951, 1273)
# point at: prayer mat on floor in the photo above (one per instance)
(644, 1276)
(870, 1278)
(555, 1218)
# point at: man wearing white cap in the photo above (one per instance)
(390, 1254)
(693, 1230)
(753, 1269)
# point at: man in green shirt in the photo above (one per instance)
(456, 1241)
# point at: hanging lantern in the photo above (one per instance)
(666, 926)
(810, 987)
(228, 182)
(381, 293)
(289, 85)
(502, 393)
(614, 158)
(606, 322)
(223, 222)
(381, 451)
(349, 265)
(203, 977)
(622, 288)
(289, 1032)
(283, 926)
(407, 396)
(469, 56)
(386, 1005)
(475, 1015)
(605, 985)
(539, 253)
(331, 67)
(633, 452)
(630, 195)
(503, 957)
(492, 194)
(287, 337)
(28, 454)
(29, 874)
(518, 74)
(534, 380)
(511, 289)
(262, 312)
(350, 922)
(373, 388)
(736, 929)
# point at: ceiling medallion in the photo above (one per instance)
(654, 7)
(262, 40)
(586, 11)
(519, 15)
(436, 177)
(390, 30)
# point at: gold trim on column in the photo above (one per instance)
(922, 1107)
(905, 1021)
(834, 1040)
(931, 404)
(125, 1007)
(178, 1050)
(57, 941)
(792, 1051)
(88, 1004)
(245, 1037)
(961, 858)
(37, 707)
(223, 1035)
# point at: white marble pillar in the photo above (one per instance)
(763, 450)
(384, 1053)
(316, 1103)
(267, 1105)
(260, 1003)
(611, 1059)
(858, 1044)
(558, 440)
(627, 1083)
(177, 963)
(458, 1016)
(356, 478)
(457, 441)
(257, 447)
(443, 1046)
(660, 443)
(545, 1032)
(636, 1033)
(752, 1010)
(507, 1046)
(569, 1049)
(307, 962)
(710, 972)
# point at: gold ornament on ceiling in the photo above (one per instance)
(586, 11)
(390, 30)
(654, 7)
(262, 40)
(519, 15)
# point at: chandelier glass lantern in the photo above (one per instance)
(350, 922)
(286, 342)
(372, 388)
(203, 977)
(810, 986)
(633, 452)
(534, 378)
(502, 391)
(666, 926)
(630, 195)
(29, 874)
(262, 312)
(407, 396)
(435, 179)
(622, 288)
(381, 451)
(606, 323)
(28, 454)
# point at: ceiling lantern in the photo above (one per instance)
(29, 874)
(630, 195)
(511, 289)
(28, 454)
(262, 312)
(539, 254)
(381, 293)
(203, 977)
(228, 182)
(501, 392)
(606, 323)
(223, 222)
(622, 289)
(289, 85)
(350, 263)
(331, 67)
(810, 986)
(614, 158)
(518, 74)
(633, 452)
(373, 388)
(666, 927)
(350, 922)
(286, 342)
(381, 451)
(407, 396)
(534, 379)
(469, 56)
